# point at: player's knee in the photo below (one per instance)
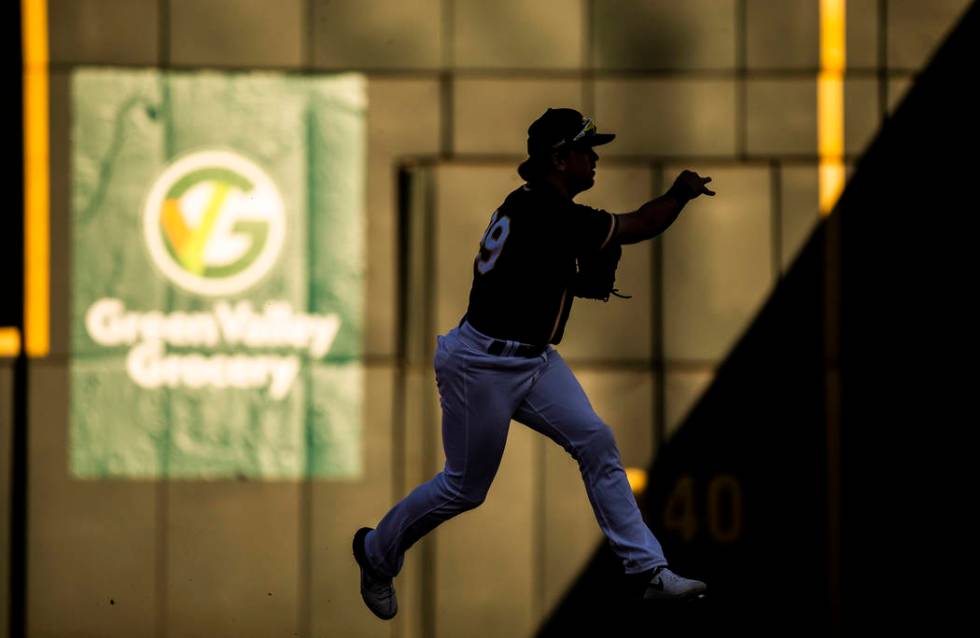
(600, 437)
(464, 503)
(599, 448)
(467, 497)
(472, 500)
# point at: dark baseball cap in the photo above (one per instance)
(557, 129)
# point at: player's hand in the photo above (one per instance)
(693, 183)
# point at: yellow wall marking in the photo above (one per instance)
(637, 478)
(830, 102)
(34, 25)
(9, 342)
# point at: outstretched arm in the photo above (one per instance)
(655, 216)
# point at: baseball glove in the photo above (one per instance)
(597, 274)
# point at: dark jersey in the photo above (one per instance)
(522, 274)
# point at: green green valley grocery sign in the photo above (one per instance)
(218, 258)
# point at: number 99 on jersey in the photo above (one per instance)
(492, 242)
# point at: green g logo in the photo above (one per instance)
(214, 223)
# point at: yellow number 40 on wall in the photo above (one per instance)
(723, 508)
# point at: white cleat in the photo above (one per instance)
(666, 585)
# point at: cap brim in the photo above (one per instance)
(596, 140)
(603, 138)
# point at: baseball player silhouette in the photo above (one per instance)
(500, 363)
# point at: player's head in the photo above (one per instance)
(559, 144)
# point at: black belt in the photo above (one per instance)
(498, 346)
(521, 351)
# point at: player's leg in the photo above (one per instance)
(557, 407)
(478, 394)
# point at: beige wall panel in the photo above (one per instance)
(624, 400)
(61, 229)
(683, 389)
(403, 121)
(104, 31)
(92, 552)
(6, 398)
(667, 117)
(782, 116)
(916, 29)
(897, 90)
(800, 208)
(484, 563)
(571, 532)
(619, 329)
(784, 34)
(861, 23)
(238, 33)
(372, 34)
(861, 114)
(717, 264)
(340, 508)
(6, 440)
(465, 198)
(514, 34)
(664, 34)
(492, 115)
(231, 545)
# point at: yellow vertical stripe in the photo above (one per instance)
(9, 342)
(830, 105)
(34, 25)
(831, 185)
(833, 35)
(830, 102)
(830, 92)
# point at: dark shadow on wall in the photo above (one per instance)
(748, 493)
(12, 235)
